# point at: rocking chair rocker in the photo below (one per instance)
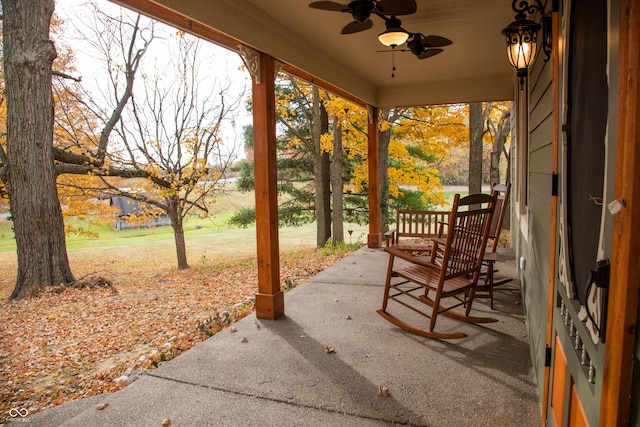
(451, 272)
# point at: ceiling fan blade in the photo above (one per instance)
(356, 27)
(329, 5)
(435, 41)
(429, 53)
(397, 7)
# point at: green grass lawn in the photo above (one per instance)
(209, 242)
(200, 234)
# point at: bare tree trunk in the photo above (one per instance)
(476, 128)
(320, 175)
(31, 183)
(175, 214)
(325, 160)
(506, 222)
(337, 214)
(494, 171)
(501, 133)
(384, 139)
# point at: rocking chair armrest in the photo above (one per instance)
(390, 237)
(394, 251)
(440, 240)
(441, 226)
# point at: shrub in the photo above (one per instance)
(340, 247)
(243, 218)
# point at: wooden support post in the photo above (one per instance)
(270, 299)
(374, 239)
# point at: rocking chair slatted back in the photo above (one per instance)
(501, 191)
(467, 236)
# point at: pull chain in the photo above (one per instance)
(393, 63)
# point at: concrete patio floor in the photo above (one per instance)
(283, 376)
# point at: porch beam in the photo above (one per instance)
(374, 239)
(270, 298)
(164, 14)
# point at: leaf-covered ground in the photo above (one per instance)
(69, 343)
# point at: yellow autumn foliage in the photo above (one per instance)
(434, 130)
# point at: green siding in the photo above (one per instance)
(536, 248)
(587, 377)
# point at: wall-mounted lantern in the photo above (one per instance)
(522, 36)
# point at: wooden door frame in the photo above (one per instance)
(555, 64)
(625, 271)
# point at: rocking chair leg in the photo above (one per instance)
(435, 311)
(469, 302)
(387, 283)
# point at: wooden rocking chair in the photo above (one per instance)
(449, 273)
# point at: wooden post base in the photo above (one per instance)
(270, 306)
(374, 240)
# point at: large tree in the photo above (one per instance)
(337, 185)
(304, 118)
(488, 125)
(173, 132)
(169, 133)
(27, 166)
(419, 138)
(497, 133)
(321, 169)
(412, 142)
(35, 155)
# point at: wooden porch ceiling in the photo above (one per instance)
(474, 68)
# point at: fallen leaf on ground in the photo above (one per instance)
(383, 391)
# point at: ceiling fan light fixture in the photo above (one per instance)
(394, 34)
(393, 38)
